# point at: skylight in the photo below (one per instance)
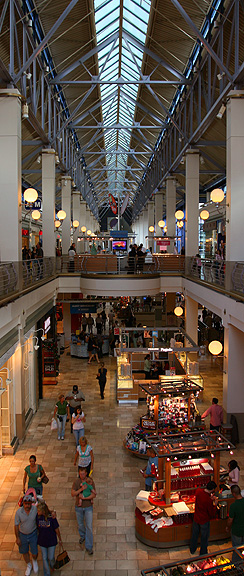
(119, 59)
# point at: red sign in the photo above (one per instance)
(25, 232)
(163, 242)
(112, 203)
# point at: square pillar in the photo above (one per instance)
(66, 206)
(10, 176)
(48, 203)
(170, 209)
(192, 202)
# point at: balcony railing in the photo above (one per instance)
(17, 277)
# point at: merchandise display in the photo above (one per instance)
(215, 563)
(171, 408)
(186, 461)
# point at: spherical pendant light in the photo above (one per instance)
(161, 223)
(204, 214)
(215, 347)
(179, 214)
(75, 223)
(57, 223)
(30, 195)
(36, 214)
(217, 195)
(61, 214)
(178, 311)
(151, 228)
(180, 223)
(83, 229)
(89, 232)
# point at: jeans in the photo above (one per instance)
(84, 520)
(61, 426)
(102, 387)
(236, 541)
(48, 557)
(78, 434)
(204, 529)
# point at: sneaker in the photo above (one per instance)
(81, 540)
(35, 566)
(62, 437)
(58, 437)
(90, 552)
(28, 569)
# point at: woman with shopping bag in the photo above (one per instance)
(48, 536)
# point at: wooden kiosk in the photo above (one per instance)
(182, 458)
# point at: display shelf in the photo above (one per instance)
(217, 563)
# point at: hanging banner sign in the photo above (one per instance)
(163, 242)
(33, 205)
(112, 203)
(124, 204)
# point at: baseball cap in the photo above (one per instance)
(27, 498)
(75, 388)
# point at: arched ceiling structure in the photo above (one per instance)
(121, 89)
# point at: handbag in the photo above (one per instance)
(45, 479)
(62, 559)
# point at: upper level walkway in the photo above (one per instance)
(17, 278)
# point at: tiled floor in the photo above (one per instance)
(116, 475)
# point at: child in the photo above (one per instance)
(86, 492)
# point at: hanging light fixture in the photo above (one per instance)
(36, 214)
(57, 223)
(83, 229)
(178, 311)
(161, 223)
(89, 232)
(75, 223)
(180, 223)
(151, 228)
(165, 228)
(61, 214)
(179, 214)
(215, 347)
(204, 214)
(30, 195)
(217, 195)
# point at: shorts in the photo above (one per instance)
(28, 542)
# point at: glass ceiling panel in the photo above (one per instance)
(125, 61)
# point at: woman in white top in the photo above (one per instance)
(234, 473)
(85, 454)
(78, 419)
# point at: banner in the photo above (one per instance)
(124, 204)
(113, 204)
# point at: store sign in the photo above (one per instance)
(163, 242)
(113, 204)
(208, 226)
(47, 325)
(33, 205)
(25, 232)
(83, 308)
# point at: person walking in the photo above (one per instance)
(102, 379)
(34, 472)
(95, 349)
(216, 415)
(84, 508)
(48, 531)
(26, 533)
(236, 521)
(205, 510)
(78, 419)
(74, 398)
(90, 323)
(62, 411)
(84, 455)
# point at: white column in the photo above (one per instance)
(235, 176)
(66, 206)
(191, 318)
(18, 368)
(192, 202)
(170, 209)
(150, 214)
(158, 215)
(233, 389)
(48, 202)
(145, 226)
(10, 176)
(76, 216)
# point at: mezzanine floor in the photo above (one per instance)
(116, 475)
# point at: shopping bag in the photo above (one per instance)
(54, 424)
(62, 559)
